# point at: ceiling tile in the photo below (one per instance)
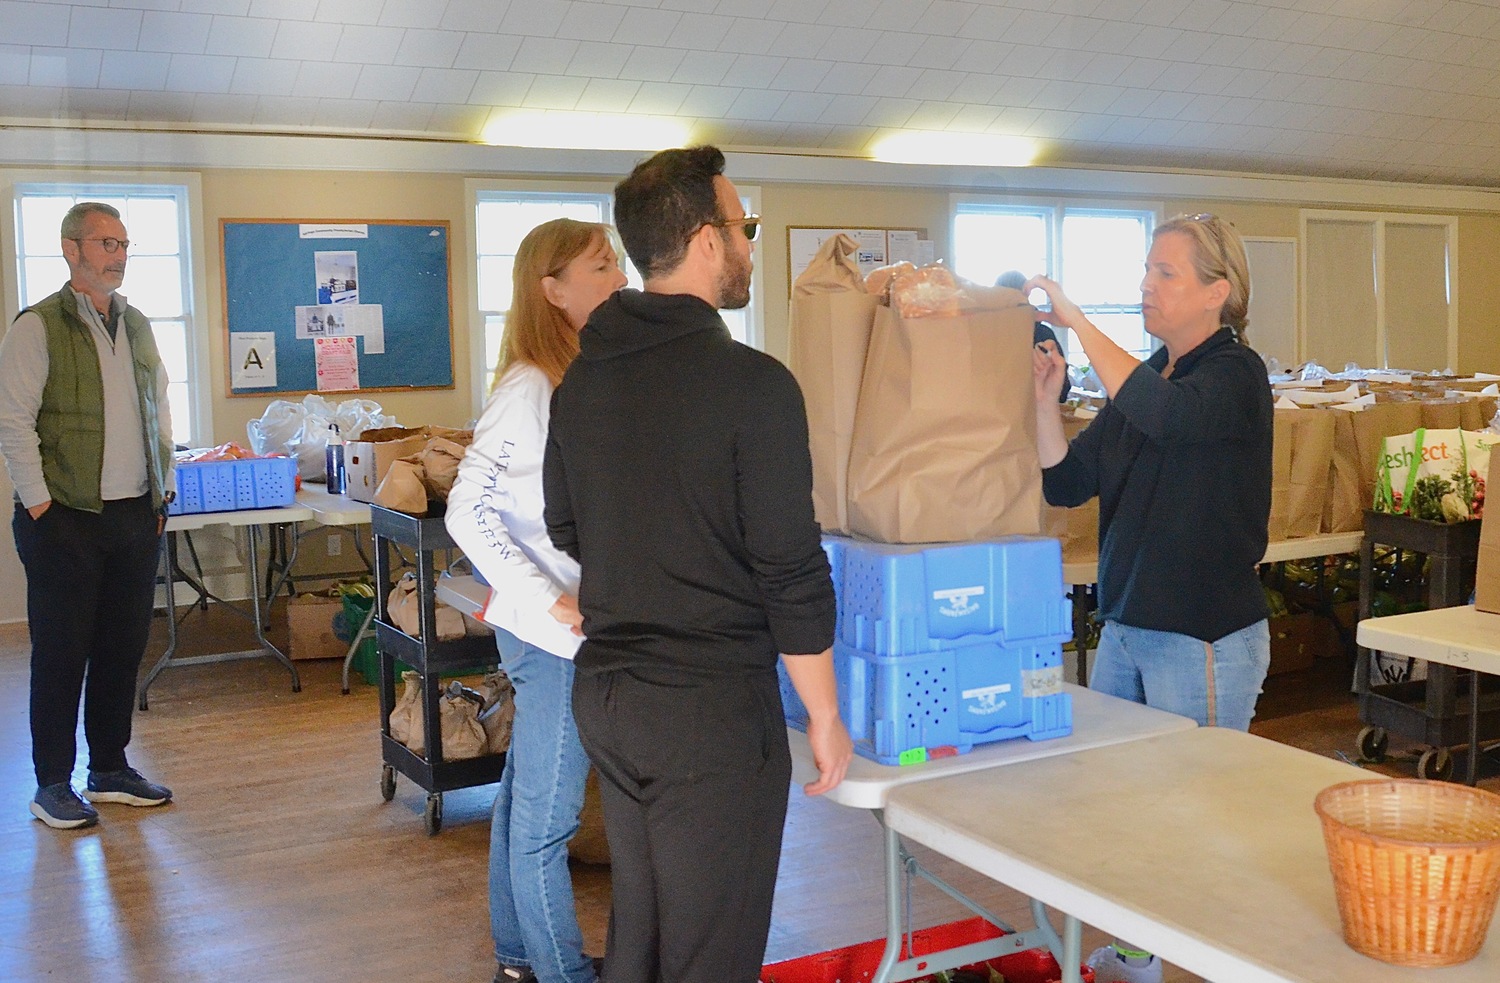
(472, 15)
(937, 52)
(134, 70)
(160, 107)
(891, 81)
(750, 71)
(35, 23)
(165, 31)
(756, 104)
(801, 75)
(96, 104)
(1030, 27)
(601, 60)
(104, 28)
(410, 13)
(438, 85)
(933, 84)
(544, 56)
(981, 89)
(487, 52)
(466, 122)
(842, 109)
(15, 65)
(429, 49)
(1057, 95)
(285, 111)
(369, 45)
(276, 9)
(848, 14)
(699, 31)
(1132, 102)
(502, 88)
(932, 116)
(265, 76)
(701, 68)
(554, 92)
(200, 73)
(974, 119)
(1200, 14)
(812, 41)
(983, 56)
(233, 8)
(348, 12)
(401, 117)
(650, 64)
(251, 36)
(64, 67)
(1092, 99)
(708, 101)
(658, 98)
(748, 36)
(387, 83)
(891, 113)
(323, 79)
(608, 95)
(306, 40)
(213, 107)
(641, 26)
(848, 78)
(990, 23)
(1115, 38)
(345, 114)
(591, 22)
(539, 18)
(795, 11)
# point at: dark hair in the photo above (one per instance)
(73, 223)
(668, 197)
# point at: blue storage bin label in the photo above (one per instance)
(1041, 682)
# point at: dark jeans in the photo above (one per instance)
(694, 775)
(90, 584)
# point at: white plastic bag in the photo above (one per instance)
(277, 429)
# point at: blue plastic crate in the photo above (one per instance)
(901, 599)
(227, 486)
(903, 709)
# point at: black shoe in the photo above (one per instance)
(514, 974)
(127, 786)
(60, 807)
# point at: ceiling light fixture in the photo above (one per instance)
(567, 130)
(943, 147)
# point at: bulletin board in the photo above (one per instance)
(877, 247)
(336, 306)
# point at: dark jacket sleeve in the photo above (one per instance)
(557, 509)
(1075, 479)
(1216, 401)
(774, 478)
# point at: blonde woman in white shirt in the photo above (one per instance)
(563, 270)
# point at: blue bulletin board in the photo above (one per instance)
(383, 284)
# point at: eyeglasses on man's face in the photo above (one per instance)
(750, 223)
(110, 243)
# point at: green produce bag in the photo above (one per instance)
(1434, 474)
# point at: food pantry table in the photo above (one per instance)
(1201, 846)
(1098, 720)
(1459, 636)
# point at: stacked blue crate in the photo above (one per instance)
(944, 647)
(228, 486)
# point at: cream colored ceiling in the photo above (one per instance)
(1389, 89)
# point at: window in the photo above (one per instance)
(501, 220)
(157, 277)
(1380, 290)
(1098, 254)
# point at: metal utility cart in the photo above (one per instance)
(424, 536)
(1432, 711)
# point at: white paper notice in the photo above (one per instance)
(367, 321)
(902, 244)
(338, 364)
(252, 357)
(333, 231)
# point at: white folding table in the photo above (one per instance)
(1200, 846)
(1098, 721)
(1463, 637)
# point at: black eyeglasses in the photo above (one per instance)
(110, 243)
(750, 223)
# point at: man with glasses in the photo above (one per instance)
(677, 473)
(86, 436)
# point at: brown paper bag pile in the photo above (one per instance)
(922, 429)
(414, 481)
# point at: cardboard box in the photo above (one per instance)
(1298, 639)
(309, 619)
(1487, 578)
(367, 461)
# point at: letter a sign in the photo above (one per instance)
(252, 359)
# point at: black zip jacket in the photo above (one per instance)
(1182, 468)
(677, 473)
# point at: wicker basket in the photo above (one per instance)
(1416, 867)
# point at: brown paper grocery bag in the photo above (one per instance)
(1077, 529)
(944, 445)
(1283, 433)
(1356, 446)
(1442, 414)
(1308, 435)
(831, 317)
(1476, 414)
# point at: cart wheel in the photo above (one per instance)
(387, 782)
(1436, 764)
(434, 814)
(1373, 742)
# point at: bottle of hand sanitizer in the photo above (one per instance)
(334, 460)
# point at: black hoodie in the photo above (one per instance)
(677, 474)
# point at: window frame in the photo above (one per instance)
(1055, 209)
(186, 189)
(479, 190)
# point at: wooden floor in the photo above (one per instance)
(279, 861)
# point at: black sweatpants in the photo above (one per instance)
(694, 775)
(90, 583)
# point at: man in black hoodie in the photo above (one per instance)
(677, 473)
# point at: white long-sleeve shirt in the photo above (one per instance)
(495, 514)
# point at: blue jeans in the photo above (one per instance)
(1214, 683)
(532, 916)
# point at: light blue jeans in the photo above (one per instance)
(532, 916)
(1214, 683)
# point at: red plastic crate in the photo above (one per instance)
(857, 963)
